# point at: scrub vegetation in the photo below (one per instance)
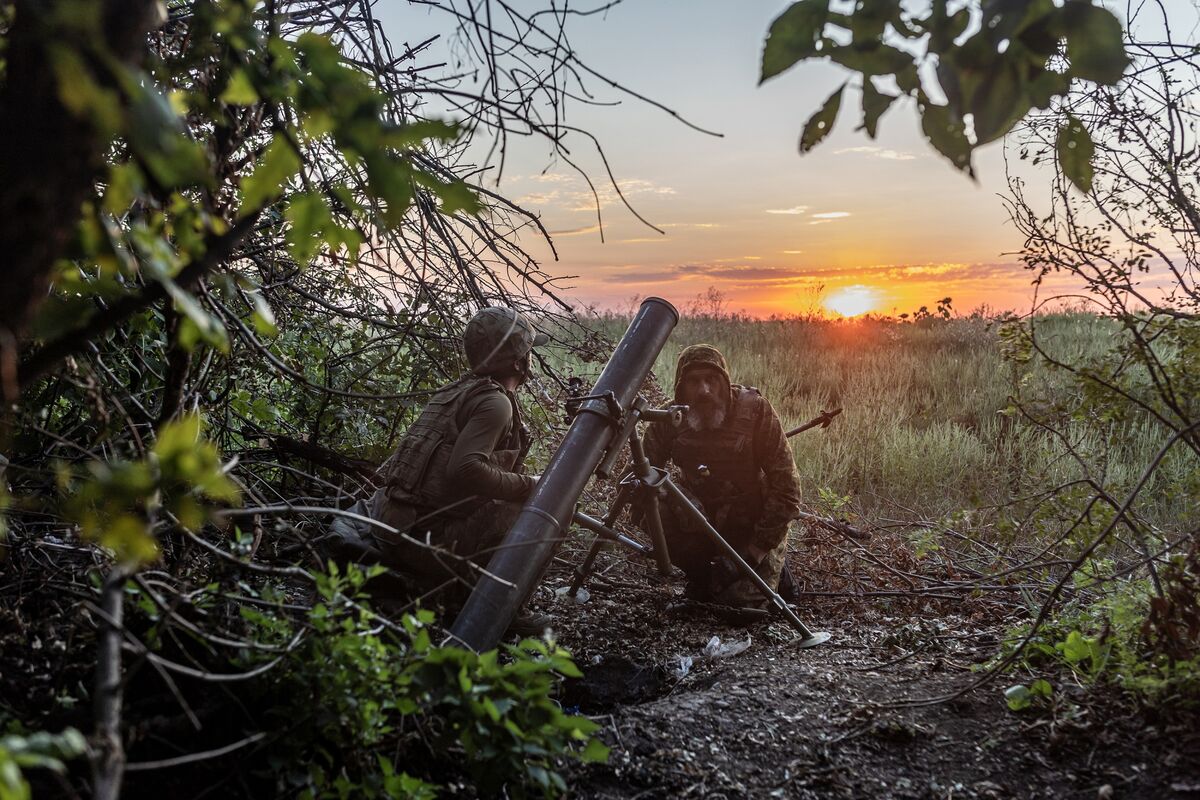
(241, 240)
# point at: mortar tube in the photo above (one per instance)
(535, 536)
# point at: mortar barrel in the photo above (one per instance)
(515, 569)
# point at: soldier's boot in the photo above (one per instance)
(789, 590)
(529, 624)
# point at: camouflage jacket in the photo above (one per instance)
(743, 472)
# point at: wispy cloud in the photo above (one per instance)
(551, 177)
(795, 210)
(756, 276)
(792, 252)
(876, 152)
(570, 193)
(831, 215)
(576, 231)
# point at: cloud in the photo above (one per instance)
(571, 193)
(661, 276)
(876, 152)
(755, 276)
(793, 210)
(831, 215)
(576, 231)
(550, 177)
(791, 252)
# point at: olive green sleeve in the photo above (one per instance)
(487, 419)
(781, 500)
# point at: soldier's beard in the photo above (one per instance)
(706, 415)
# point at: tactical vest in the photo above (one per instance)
(417, 475)
(719, 466)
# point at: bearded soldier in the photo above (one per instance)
(455, 483)
(737, 468)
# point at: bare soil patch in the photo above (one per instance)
(776, 721)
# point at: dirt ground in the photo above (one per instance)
(778, 721)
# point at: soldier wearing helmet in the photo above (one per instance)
(736, 466)
(455, 482)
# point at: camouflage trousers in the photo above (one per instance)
(438, 562)
(710, 577)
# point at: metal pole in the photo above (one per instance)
(810, 639)
(538, 531)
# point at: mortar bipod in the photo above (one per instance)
(647, 485)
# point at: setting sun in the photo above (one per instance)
(851, 301)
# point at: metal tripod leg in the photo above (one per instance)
(614, 511)
(810, 639)
(655, 528)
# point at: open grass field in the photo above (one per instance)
(928, 427)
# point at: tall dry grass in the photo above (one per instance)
(926, 429)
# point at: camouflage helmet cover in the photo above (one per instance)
(496, 337)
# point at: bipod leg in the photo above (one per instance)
(584, 570)
(662, 556)
(810, 639)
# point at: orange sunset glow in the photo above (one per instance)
(858, 226)
(654, 206)
(852, 301)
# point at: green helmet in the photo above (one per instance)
(497, 337)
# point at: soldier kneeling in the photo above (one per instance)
(738, 470)
(455, 483)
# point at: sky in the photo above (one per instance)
(882, 225)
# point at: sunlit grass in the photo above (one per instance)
(922, 433)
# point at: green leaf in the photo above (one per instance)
(129, 538)
(1075, 150)
(1046, 86)
(1095, 45)
(124, 184)
(156, 133)
(309, 216)
(207, 327)
(457, 196)
(596, 752)
(239, 91)
(874, 103)
(821, 123)
(998, 102)
(875, 59)
(408, 136)
(869, 20)
(1075, 648)
(391, 180)
(279, 163)
(793, 35)
(945, 132)
(1041, 688)
(1017, 697)
(263, 317)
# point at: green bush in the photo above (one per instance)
(365, 704)
(1107, 635)
(19, 752)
